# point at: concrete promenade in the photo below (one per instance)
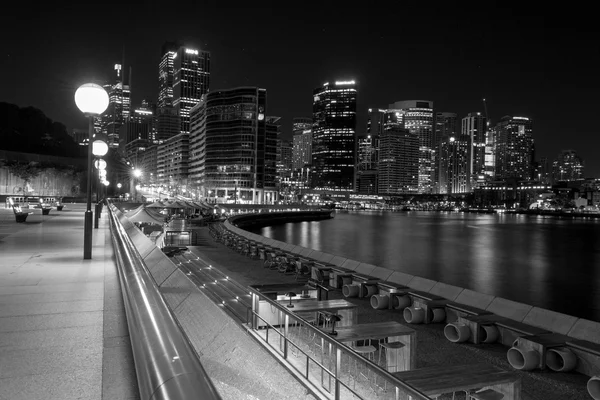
(432, 349)
(63, 333)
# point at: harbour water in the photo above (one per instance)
(548, 262)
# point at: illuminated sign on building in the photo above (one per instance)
(191, 51)
(344, 82)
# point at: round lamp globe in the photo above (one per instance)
(91, 99)
(99, 148)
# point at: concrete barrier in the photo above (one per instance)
(509, 309)
(446, 291)
(400, 278)
(423, 284)
(550, 320)
(474, 299)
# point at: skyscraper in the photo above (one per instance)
(568, 166)
(453, 163)
(514, 148)
(474, 126)
(233, 146)
(183, 77)
(398, 165)
(117, 112)
(334, 136)
(445, 127)
(302, 143)
(191, 78)
(284, 159)
(419, 119)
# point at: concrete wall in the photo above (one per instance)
(578, 328)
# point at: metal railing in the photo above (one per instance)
(166, 364)
(332, 370)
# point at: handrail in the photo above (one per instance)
(405, 387)
(166, 364)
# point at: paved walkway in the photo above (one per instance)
(63, 333)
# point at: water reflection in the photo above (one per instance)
(543, 261)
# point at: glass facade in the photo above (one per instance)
(334, 136)
(514, 148)
(234, 146)
(474, 126)
(419, 119)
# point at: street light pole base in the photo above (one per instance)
(87, 236)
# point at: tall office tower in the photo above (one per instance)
(117, 112)
(474, 125)
(300, 124)
(166, 74)
(490, 152)
(453, 161)
(191, 70)
(167, 123)
(184, 76)
(514, 148)
(234, 147)
(398, 165)
(302, 149)
(284, 159)
(172, 163)
(568, 166)
(419, 119)
(334, 140)
(544, 171)
(366, 164)
(445, 127)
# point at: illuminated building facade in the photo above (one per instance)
(568, 166)
(334, 136)
(419, 119)
(234, 147)
(474, 126)
(191, 78)
(514, 148)
(302, 143)
(445, 127)
(183, 77)
(284, 159)
(398, 165)
(453, 161)
(490, 152)
(118, 109)
(172, 161)
(366, 165)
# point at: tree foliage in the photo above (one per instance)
(28, 130)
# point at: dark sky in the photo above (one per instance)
(527, 60)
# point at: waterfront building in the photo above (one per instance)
(510, 193)
(191, 78)
(334, 136)
(284, 159)
(117, 112)
(167, 123)
(166, 74)
(302, 143)
(454, 175)
(367, 164)
(398, 164)
(445, 127)
(234, 147)
(474, 126)
(514, 148)
(544, 171)
(568, 166)
(490, 152)
(419, 119)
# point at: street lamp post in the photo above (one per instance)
(92, 100)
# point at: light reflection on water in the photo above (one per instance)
(548, 262)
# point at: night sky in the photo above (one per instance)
(532, 61)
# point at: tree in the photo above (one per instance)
(25, 171)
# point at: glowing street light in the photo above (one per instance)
(92, 100)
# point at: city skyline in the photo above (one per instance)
(513, 58)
